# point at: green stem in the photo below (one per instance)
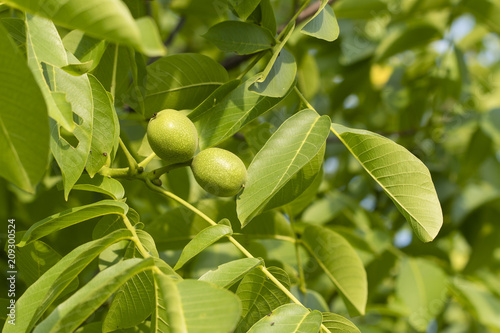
(294, 17)
(113, 75)
(251, 65)
(146, 161)
(115, 172)
(132, 163)
(230, 238)
(302, 280)
(302, 98)
(135, 238)
(155, 174)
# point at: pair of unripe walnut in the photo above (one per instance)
(174, 138)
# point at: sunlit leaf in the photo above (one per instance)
(403, 177)
(289, 318)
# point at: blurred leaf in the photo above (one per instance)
(233, 112)
(415, 35)
(280, 77)
(229, 273)
(70, 217)
(486, 11)
(103, 128)
(201, 241)
(218, 312)
(78, 69)
(24, 138)
(341, 264)
(490, 125)
(303, 136)
(103, 19)
(289, 318)
(404, 178)
(181, 81)
(473, 196)
(361, 9)
(40, 295)
(323, 24)
(240, 37)
(78, 307)
(259, 296)
(335, 322)
(483, 304)
(244, 7)
(34, 259)
(421, 286)
(268, 19)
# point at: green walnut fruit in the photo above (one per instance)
(172, 136)
(219, 172)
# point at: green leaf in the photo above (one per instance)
(240, 37)
(337, 323)
(244, 7)
(70, 217)
(486, 11)
(479, 300)
(361, 9)
(103, 19)
(323, 24)
(403, 177)
(290, 148)
(196, 306)
(100, 184)
(268, 19)
(24, 123)
(137, 92)
(34, 259)
(280, 77)
(72, 312)
(40, 295)
(415, 35)
(276, 53)
(84, 47)
(303, 200)
(132, 304)
(299, 182)
(233, 112)
(110, 223)
(310, 299)
(259, 296)
(421, 285)
(41, 32)
(289, 318)
(181, 81)
(217, 95)
(340, 262)
(17, 31)
(78, 69)
(229, 273)
(203, 239)
(103, 129)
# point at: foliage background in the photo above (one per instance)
(423, 73)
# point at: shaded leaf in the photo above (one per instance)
(181, 81)
(103, 128)
(72, 312)
(70, 217)
(240, 37)
(259, 296)
(40, 295)
(24, 133)
(340, 262)
(209, 102)
(233, 112)
(280, 77)
(84, 47)
(323, 24)
(100, 184)
(244, 7)
(404, 178)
